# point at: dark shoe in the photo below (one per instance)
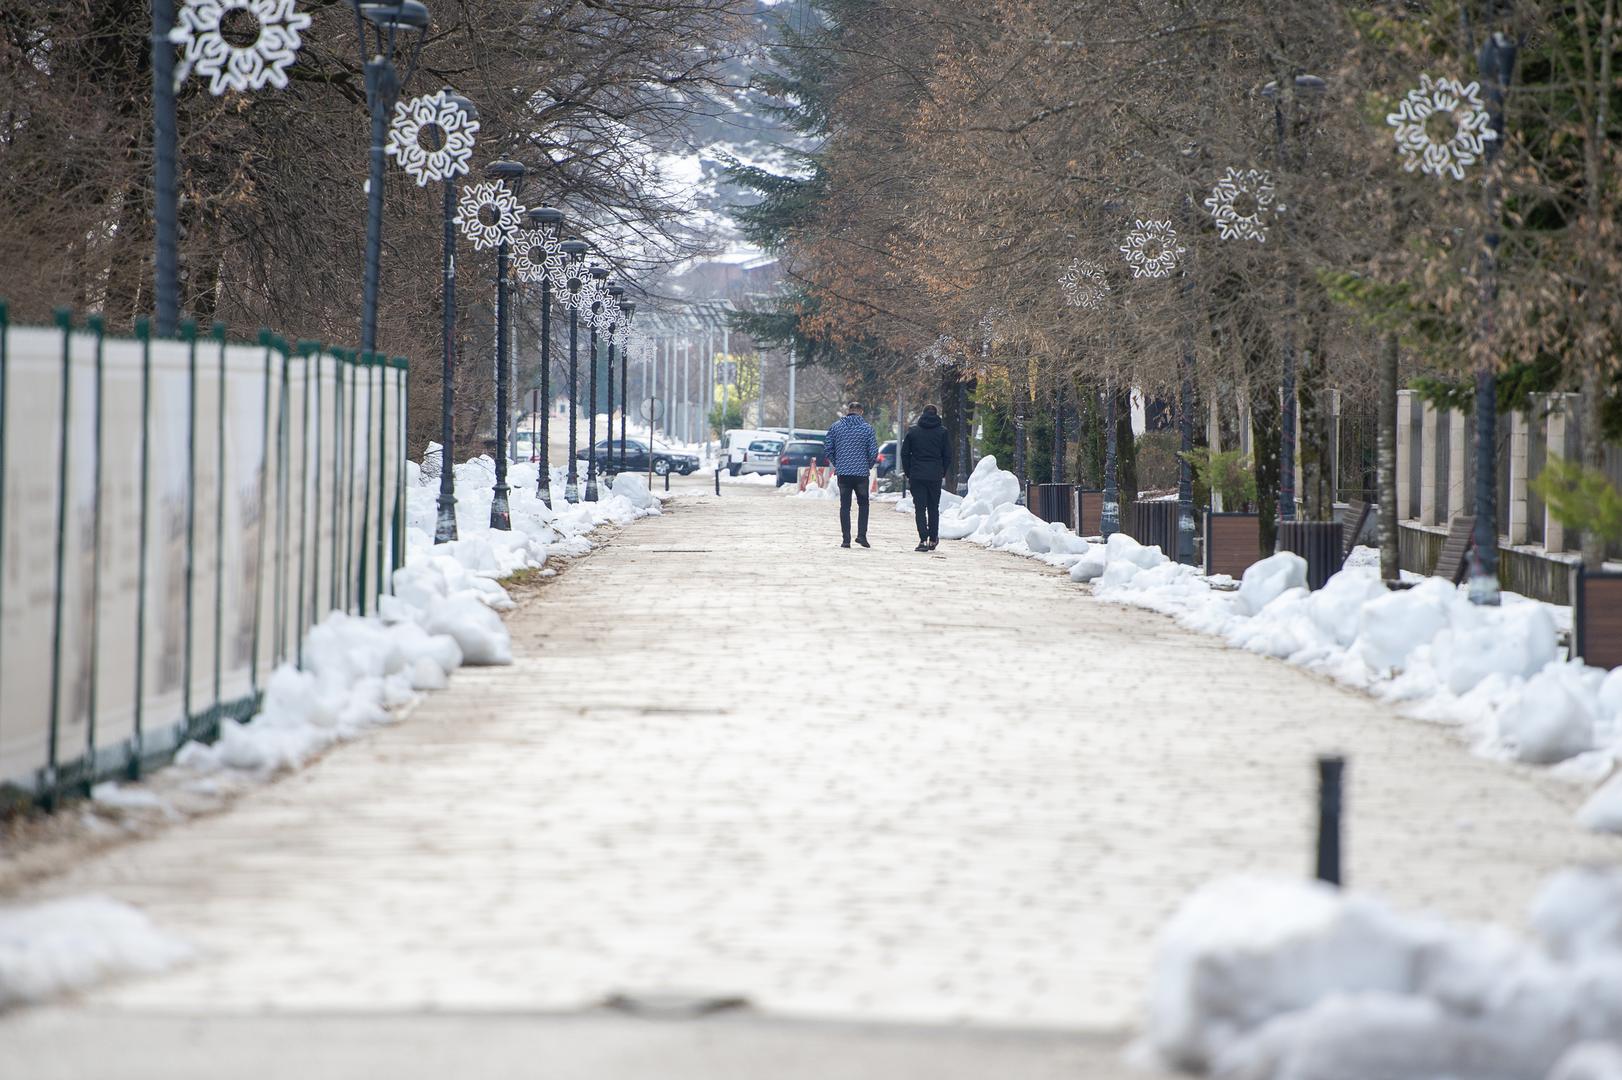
(862, 540)
(845, 544)
(933, 544)
(921, 546)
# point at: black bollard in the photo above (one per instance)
(1331, 770)
(718, 479)
(667, 479)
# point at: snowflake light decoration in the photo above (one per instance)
(456, 129)
(200, 34)
(538, 254)
(1151, 249)
(578, 298)
(607, 315)
(941, 353)
(1085, 285)
(1241, 202)
(503, 209)
(1439, 104)
(622, 334)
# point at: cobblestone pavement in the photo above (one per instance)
(734, 759)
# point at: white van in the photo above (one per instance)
(735, 444)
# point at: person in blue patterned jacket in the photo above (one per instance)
(852, 451)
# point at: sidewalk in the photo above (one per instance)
(842, 785)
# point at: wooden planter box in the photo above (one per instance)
(1597, 618)
(1052, 502)
(1088, 512)
(1154, 524)
(1318, 542)
(1232, 541)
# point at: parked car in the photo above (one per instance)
(797, 455)
(636, 457)
(735, 444)
(887, 458)
(761, 457)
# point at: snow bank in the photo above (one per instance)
(358, 672)
(1268, 980)
(1492, 670)
(64, 945)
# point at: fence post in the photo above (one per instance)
(219, 530)
(64, 322)
(97, 327)
(188, 333)
(5, 405)
(143, 333)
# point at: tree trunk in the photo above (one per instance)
(1390, 570)
(1126, 453)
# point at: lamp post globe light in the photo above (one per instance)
(449, 122)
(616, 293)
(382, 30)
(627, 312)
(1308, 88)
(595, 309)
(548, 222)
(575, 250)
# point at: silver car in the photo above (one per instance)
(761, 457)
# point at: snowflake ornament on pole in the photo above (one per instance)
(1241, 202)
(431, 112)
(580, 297)
(488, 213)
(1441, 126)
(1151, 249)
(1084, 285)
(200, 33)
(537, 254)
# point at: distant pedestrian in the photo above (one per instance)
(852, 450)
(926, 458)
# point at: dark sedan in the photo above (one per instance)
(797, 455)
(636, 458)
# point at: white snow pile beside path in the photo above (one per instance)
(753, 479)
(60, 946)
(1494, 671)
(359, 671)
(1266, 979)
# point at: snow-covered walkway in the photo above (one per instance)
(734, 759)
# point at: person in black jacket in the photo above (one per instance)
(926, 458)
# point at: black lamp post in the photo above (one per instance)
(616, 293)
(576, 251)
(599, 275)
(445, 522)
(1309, 88)
(387, 23)
(510, 173)
(627, 311)
(550, 224)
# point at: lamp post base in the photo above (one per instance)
(445, 523)
(571, 491)
(591, 489)
(500, 518)
(543, 490)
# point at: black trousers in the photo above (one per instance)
(849, 485)
(926, 508)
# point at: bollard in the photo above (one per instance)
(667, 479)
(718, 479)
(1331, 770)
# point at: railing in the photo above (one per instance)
(174, 515)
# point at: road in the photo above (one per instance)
(918, 812)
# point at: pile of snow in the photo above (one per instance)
(1267, 980)
(360, 671)
(757, 479)
(1493, 670)
(60, 946)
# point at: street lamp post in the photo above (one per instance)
(616, 293)
(445, 522)
(511, 174)
(599, 283)
(576, 251)
(549, 222)
(383, 81)
(627, 310)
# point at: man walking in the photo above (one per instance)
(852, 449)
(926, 458)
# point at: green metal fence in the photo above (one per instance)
(174, 515)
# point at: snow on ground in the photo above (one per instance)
(64, 945)
(360, 670)
(1494, 672)
(1269, 979)
(750, 479)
